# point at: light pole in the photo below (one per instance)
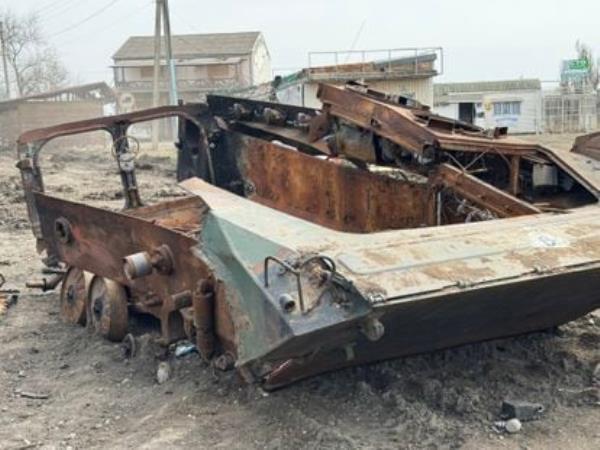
(4, 63)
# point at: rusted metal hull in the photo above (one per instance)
(467, 306)
(435, 323)
(313, 240)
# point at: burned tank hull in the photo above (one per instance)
(284, 264)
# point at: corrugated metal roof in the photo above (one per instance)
(83, 90)
(191, 45)
(487, 86)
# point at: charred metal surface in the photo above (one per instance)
(31, 143)
(324, 192)
(245, 109)
(418, 132)
(313, 240)
(102, 240)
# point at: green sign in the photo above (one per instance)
(576, 65)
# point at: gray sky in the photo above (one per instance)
(482, 40)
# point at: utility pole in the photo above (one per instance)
(171, 63)
(155, 81)
(162, 18)
(4, 63)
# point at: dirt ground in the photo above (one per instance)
(99, 399)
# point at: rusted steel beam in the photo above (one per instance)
(290, 136)
(381, 118)
(515, 175)
(482, 194)
(412, 129)
(234, 108)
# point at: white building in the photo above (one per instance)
(204, 63)
(516, 104)
(407, 72)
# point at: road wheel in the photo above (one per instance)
(108, 308)
(74, 295)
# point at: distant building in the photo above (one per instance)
(408, 72)
(570, 112)
(573, 106)
(52, 108)
(516, 104)
(204, 63)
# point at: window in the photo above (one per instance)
(219, 70)
(507, 109)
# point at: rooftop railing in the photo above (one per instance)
(411, 61)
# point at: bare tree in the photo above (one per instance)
(34, 64)
(584, 52)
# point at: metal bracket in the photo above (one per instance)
(288, 268)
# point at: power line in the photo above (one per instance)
(85, 20)
(49, 6)
(58, 12)
(125, 17)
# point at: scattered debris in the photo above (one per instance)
(524, 411)
(596, 375)
(32, 395)
(224, 362)
(185, 348)
(6, 302)
(513, 426)
(129, 346)
(163, 373)
(8, 297)
(514, 412)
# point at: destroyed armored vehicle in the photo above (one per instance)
(311, 240)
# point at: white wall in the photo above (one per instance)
(245, 68)
(529, 121)
(420, 89)
(261, 63)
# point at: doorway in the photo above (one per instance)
(466, 112)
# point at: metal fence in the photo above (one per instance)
(569, 113)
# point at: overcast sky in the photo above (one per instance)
(482, 40)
